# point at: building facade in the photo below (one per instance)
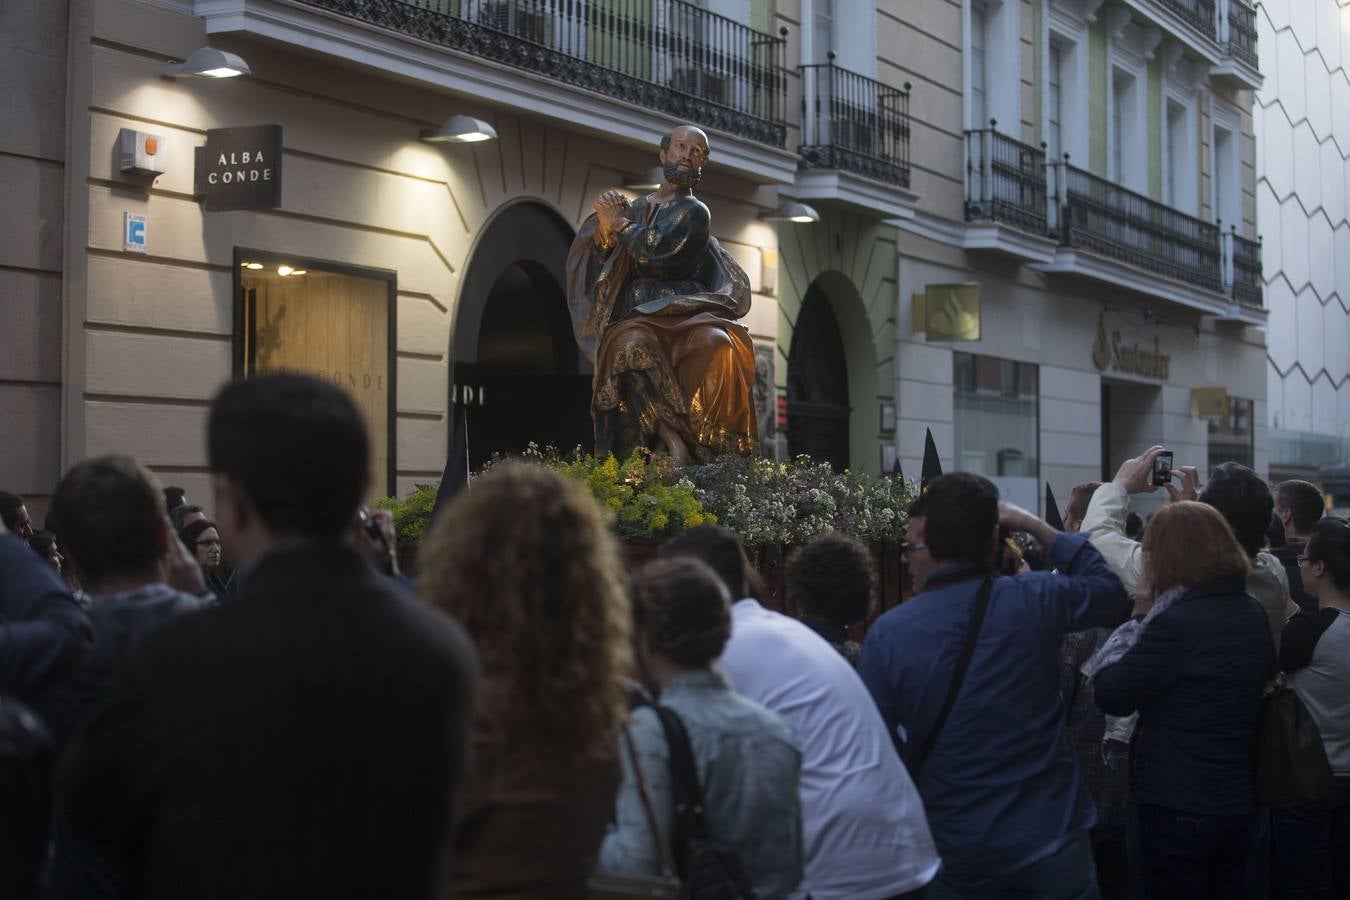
(1036, 228)
(1303, 177)
(1090, 174)
(420, 275)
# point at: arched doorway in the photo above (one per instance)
(817, 384)
(516, 370)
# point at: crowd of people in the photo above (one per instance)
(259, 704)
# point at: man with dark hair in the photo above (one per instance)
(863, 825)
(119, 542)
(832, 582)
(1244, 499)
(965, 680)
(1079, 498)
(183, 516)
(1299, 506)
(174, 497)
(14, 515)
(262, 748)
(719, 549)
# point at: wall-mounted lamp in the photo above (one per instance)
(208, 62)
(461, 130)
(791, 211)
(650, 180)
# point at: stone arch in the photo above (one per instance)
(514, 364)
(848, 262)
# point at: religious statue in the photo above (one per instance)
(654, 299)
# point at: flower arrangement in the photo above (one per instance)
(768, 502)
(763, 501)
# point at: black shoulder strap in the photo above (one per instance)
(958, 676)
(684, 775)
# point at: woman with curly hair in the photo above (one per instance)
(525, 562)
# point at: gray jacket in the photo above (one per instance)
(749, 766)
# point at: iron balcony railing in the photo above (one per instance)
(1242, 268)
(1005, 180)
(1240, 25)
(667, 55)
(1103, 217)
(854, 123)
(1199, 13)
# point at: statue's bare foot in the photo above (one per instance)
(675, 444)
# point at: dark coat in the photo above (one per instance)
(120, 623)
(305, 740)
(1195, 677)
(44, 634)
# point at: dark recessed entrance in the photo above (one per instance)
(818, 409)
(517, 372)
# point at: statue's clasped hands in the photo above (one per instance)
(611, 209)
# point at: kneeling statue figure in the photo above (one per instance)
(654, 298)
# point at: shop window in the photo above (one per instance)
(997, 423)
(1232, 437)
(331, 321)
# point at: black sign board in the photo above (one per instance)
(240, 168)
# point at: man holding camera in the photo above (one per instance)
(1234, 490)
(963, 675)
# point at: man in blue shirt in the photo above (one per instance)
(1007, 806)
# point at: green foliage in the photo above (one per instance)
(645, 495)
(411, 516)
(763, 501)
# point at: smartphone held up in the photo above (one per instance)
(1162, 469)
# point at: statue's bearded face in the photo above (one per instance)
(683, 156)
(682, 175)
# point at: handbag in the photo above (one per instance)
(1291, 761)
(920, 756)
(615, 886)
(708, 869)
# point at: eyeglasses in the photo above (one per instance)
(1302, 559)
(907, 547)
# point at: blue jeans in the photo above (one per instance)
(1312, 847)
(1066, 874)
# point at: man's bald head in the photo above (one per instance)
(690, 133)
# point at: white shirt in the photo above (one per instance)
(863, 823)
